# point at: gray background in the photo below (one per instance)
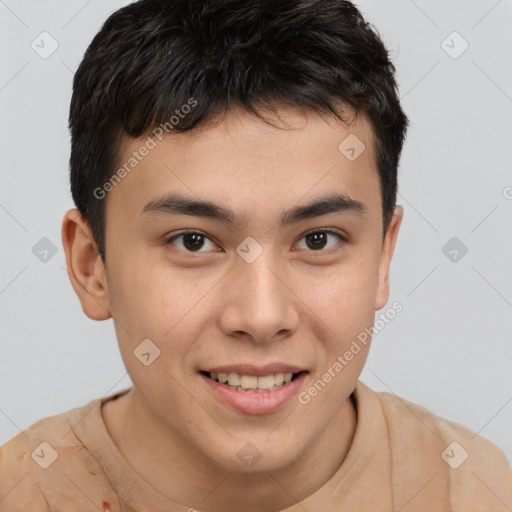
(449, 349)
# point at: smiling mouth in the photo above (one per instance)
(252, 383)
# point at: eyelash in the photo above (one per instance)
(320, 251)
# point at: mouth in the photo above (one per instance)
(256, 390)
(253, 383)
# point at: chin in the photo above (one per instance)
(256, 455)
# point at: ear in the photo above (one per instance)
(85, 267)
(385, 259)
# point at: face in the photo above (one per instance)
(251, 249)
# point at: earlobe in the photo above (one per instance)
(85, 267)
(388, 248)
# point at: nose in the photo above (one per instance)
(260, 304)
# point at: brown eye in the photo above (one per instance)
(189, 241)
(193, 241)
(322, 239)
(316, 240)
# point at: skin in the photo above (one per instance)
(293, 304)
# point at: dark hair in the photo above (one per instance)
(152, 57)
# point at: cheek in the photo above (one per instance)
(150, 299)
(166, 306)
(345, 295)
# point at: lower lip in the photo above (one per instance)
(253, 402)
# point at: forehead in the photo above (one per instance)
(250, 165)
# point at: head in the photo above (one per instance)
(272, 131)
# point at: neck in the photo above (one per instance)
(182, 474)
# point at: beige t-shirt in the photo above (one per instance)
(402, 458)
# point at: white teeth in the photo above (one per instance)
(278, 378)
(234, 379)
(251, 382)
(266, 382)
(248, 381)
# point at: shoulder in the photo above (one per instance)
(418, 424)
(472, 470)
(23, 458)
(43, 465)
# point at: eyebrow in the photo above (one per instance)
(176, 204)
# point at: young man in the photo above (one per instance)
(234, 167)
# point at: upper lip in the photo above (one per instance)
(258, 371)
